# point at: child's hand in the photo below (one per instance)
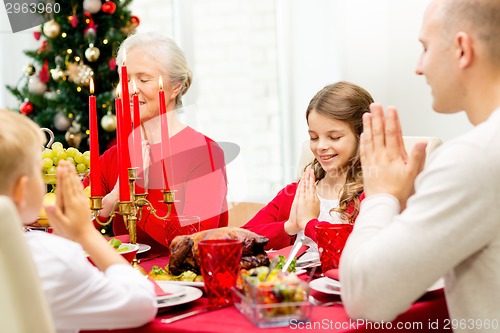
(308, 202)
(70, 217)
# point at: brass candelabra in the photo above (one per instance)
(132, 210)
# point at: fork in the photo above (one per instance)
(317, 302)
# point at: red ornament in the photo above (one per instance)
(44, 72)
(112, 64)
(135, 20)
(74, 21)
(37, 34)
(26, 107)
(109, 7)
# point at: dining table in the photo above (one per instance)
(428, 313)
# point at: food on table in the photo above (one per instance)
(115, 242)
(164, 274)
(185, 254)
(51, 157)
(282, 261)
(275, 287)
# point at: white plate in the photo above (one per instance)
(187, 283)
(300, 271)
(326, 285)
(308, 257)
(192, 294)
(143, 248)
(174, 291)
(331, 286)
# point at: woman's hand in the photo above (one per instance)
(70, 216)
(308, 203)
(109, 200)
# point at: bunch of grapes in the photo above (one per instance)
(51, 157)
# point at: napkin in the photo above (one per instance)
(158, 290)
(332, 274)
(286, 251)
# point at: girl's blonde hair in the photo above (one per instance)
(347, 102)
(20, 144)
(166, 53)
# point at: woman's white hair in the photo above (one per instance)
(169, 57)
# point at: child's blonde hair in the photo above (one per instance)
(20, 143)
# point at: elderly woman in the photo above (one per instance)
(196, 169)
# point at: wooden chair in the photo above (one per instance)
(241, 212)
(23, 308)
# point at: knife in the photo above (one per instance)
(191, 313)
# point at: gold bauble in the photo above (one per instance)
(92, 53)
(30, 70)
(51, 29)
(73, 138)
(108, 122)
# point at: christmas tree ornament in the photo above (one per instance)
(61, 122)
(35, 86)
(108, 122)
(92, 53)
(57, 73)
(73, 20)
(79, 73)
(44, 72)
(112, 64)
(73, 138)
(51, 29)
(109, 7)
(92, 6)
(29, 70)
(37, 34)
(50, 95)
(134, 21)
(26, 107)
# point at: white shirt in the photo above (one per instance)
(82, 297)
(450, 228)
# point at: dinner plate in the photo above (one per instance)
(174, 291)
(191, 294)
(326, 285)
(143, 248)
(331, 286)
(188, 283)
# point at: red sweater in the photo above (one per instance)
(199, 178)
(270, 220)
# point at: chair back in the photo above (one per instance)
(23, 308)
(241, 212)
(306, 156)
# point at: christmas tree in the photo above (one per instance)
(77, 43)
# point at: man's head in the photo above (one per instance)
(20, 163)
(460, 41)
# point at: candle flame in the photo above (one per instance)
(118, 91)
(91, 86)
(124, 57)
(134, 86)
(160, 83)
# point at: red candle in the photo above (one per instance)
(165, 139)
(95, 170)
(137, 138)
(123, 160)
(127, 117)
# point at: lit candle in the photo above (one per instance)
(137, 138)
(95, 170)
(127, 117)
(165, 139)
(123, 159)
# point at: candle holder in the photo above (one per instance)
(131, 211)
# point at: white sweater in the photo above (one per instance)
(450, 228)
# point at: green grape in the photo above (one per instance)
(87, 153)
(57, 146)
(79, 158)
(51, 170)
(55, 160)
(71, 160)
(80, 167)
(72, 152)
(47, 163)
(61, 154)
(86, 159)
(47, 153)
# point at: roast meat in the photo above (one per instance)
(185, 255)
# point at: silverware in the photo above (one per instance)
(293, 253)
(317, 302)
(190, 314)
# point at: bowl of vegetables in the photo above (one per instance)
(127, 250)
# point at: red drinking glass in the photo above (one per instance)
(220, 265)
(331, 240)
